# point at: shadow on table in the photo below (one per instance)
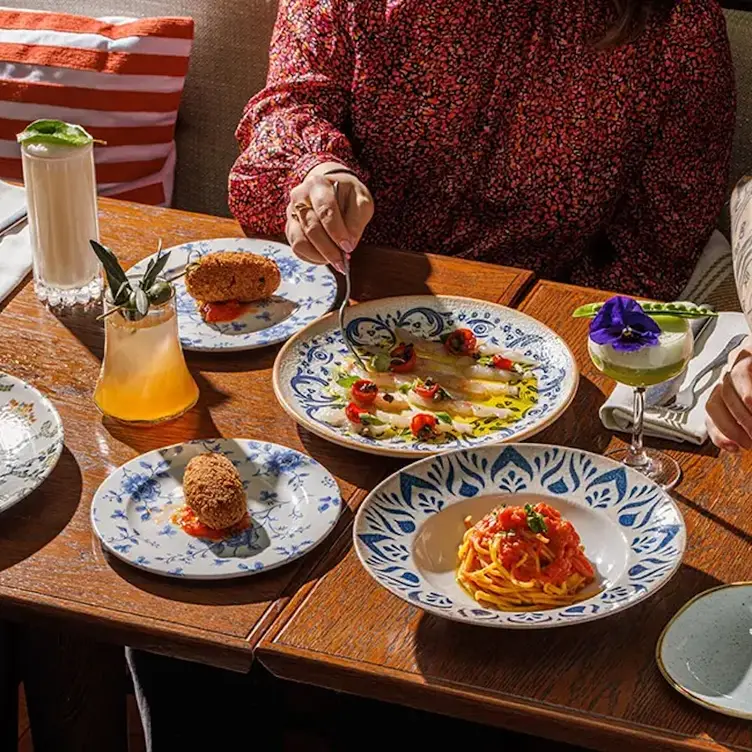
(82, 323)
(258, 588)
(260, 359)
(520, 661)
(713, 517)
(357, 468)
(197, 423)
(38, 519)
(575, 427)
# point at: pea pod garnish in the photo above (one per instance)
(683, 309)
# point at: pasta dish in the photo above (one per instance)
(523, 559)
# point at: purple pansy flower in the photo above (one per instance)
(623, 324)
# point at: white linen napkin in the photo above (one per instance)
(617, 412)
(15, 246)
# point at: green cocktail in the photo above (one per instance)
(649, 365)
(641, 345)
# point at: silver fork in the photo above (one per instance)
(685, 399)
(346, 301)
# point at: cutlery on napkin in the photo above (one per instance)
(15, 242)
(661, 420)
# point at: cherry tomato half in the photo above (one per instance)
(423, 426)
(428, 389)
(402, 359)
(502, 363)
(460, 342)
(353, 413)
(364, 392)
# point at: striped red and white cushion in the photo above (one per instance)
(120, 78)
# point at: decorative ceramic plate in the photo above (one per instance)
(705, 651)
(31, 439)
(305, 366)
(408, 530)
(307, 291)
(293, 501)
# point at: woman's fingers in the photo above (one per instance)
(314, 231)
(324, 200)
(357, 204)
(298, 240)
(723, 427)
(736, 391)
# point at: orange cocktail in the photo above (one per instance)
(144, 378)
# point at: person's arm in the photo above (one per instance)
(295, 123)
(668, 214)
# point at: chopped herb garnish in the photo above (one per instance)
(380, 363)
(444, 418)
(347, 381)
(370, 420)
(388, 398)
(535, 520)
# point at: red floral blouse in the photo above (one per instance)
(496, 131)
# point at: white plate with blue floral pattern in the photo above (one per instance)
(304, 367)
(31, 439)
(306, 292)
(705, 651)
(408, 530)
(293, 501)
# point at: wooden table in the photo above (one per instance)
(50, 563)
(596, 684)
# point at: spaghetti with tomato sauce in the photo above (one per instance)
(523, 559)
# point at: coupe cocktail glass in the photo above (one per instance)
(640, 368)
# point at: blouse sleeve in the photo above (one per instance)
(669, 212)
(296, 122)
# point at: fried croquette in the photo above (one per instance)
(214, 491)
(224, 276)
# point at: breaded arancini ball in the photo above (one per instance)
(214, 491)
(227, 275)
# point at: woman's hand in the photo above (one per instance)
(729, 418)
(321, 226)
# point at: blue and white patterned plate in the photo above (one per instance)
(31, 439)
(304, 366)
(307, 291)
(409, 528)
(294, 503)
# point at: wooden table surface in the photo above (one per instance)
(596, 684)
(50, 563)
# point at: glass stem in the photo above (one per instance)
(637, 457)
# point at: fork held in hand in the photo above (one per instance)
(346, 301)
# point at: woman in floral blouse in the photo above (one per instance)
(587, 140)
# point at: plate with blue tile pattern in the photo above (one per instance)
(306, 292)
(31, 439)
(293, 502)
(304, 368)
(408, 530)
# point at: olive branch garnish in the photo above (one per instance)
(134, 302)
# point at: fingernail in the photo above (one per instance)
(339, 266)
(347, 247)
(731, 448)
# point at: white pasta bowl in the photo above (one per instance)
(408, 530)
(305, 366)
